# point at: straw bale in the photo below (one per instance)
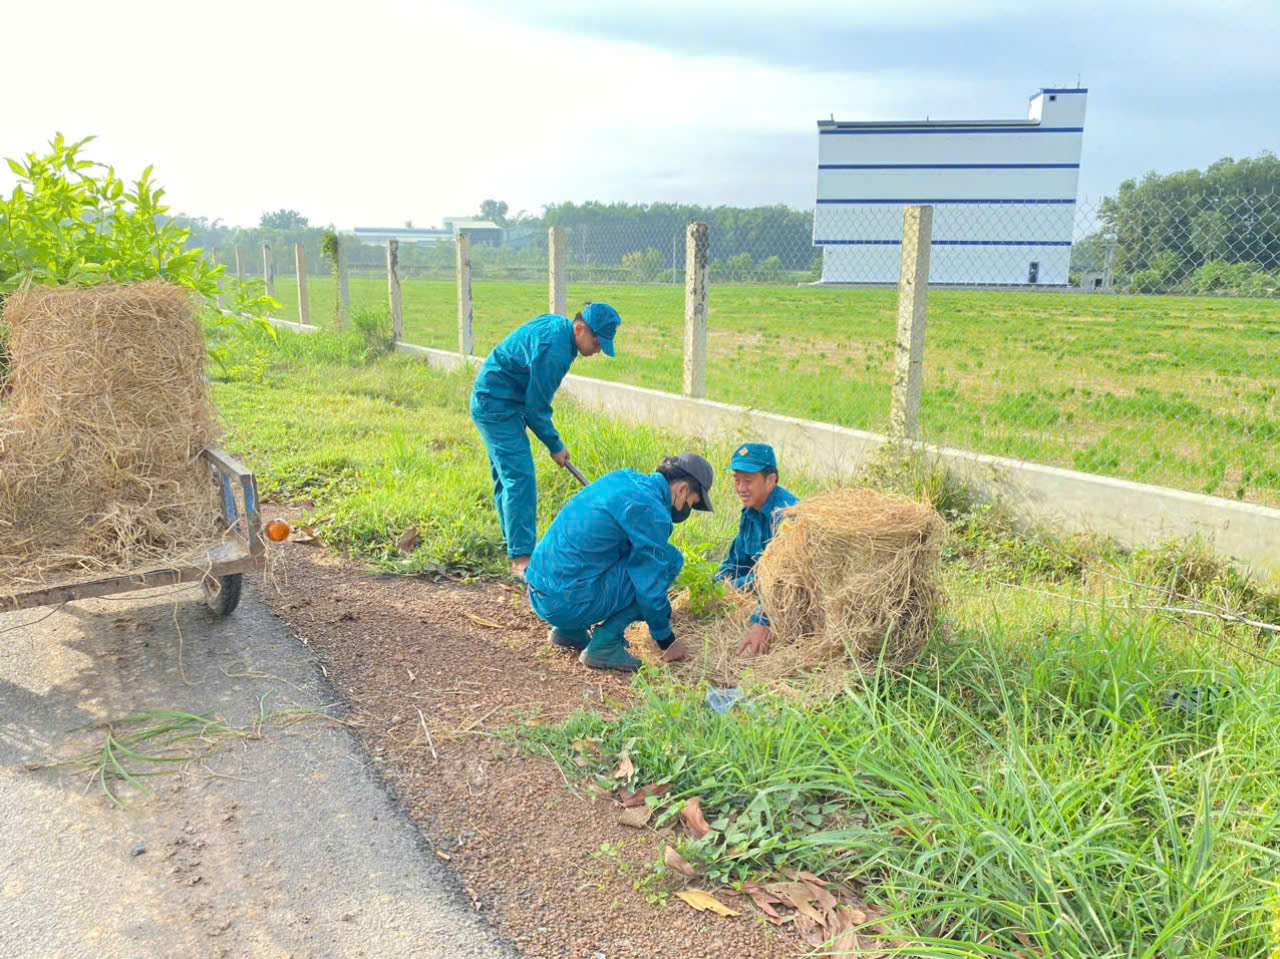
(848, 581)
(105, 413)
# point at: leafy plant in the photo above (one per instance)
(71, 220)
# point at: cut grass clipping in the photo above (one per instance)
(162, 741)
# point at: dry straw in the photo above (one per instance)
(103, 418)
(848, 581)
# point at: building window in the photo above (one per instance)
(1033, 272)
(1052, 97)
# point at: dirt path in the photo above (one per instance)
(282, 842)
(556, 872)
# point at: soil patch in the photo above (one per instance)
(555, 873)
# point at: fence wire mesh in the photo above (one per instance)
(1025, 355)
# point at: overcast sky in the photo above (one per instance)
(382, 111)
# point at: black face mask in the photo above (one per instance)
(682, 514)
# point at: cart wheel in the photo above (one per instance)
(223, 597)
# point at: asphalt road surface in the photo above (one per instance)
(277, 841)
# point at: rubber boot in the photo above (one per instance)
(608, 650)
(575, 639)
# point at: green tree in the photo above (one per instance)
(495, 211)
(70, 220)
(283, 220)
(1229, 212)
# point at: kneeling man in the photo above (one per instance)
(605, 562)
(755, 479)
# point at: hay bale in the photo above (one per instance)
(849, 579)
(106, 410)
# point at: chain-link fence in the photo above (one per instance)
(1200, 244)
(1025, 355)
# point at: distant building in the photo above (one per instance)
(1003, 194)
(481, 231)
(406, 234)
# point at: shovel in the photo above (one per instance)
(577, 473)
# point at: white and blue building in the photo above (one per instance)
(1003, 194)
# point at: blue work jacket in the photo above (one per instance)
(522, 374)
(755, 528)
(623, 518)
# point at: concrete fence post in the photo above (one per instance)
(556, 250)
(304, 302)
(913, 296)
(268, 270)
(393, 290)
(239, 268)
(466, 333)
(697, 257)
(344, 288)
(220, 300)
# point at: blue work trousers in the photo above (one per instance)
(515, 490)
(610, 604)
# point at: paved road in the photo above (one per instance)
(280, 846)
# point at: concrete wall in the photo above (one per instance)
(1135, 514)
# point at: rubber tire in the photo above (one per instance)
(227, 598)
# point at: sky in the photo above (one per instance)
(389, 111)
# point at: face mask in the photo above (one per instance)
(682, 514)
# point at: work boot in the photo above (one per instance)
(607, 651)
(575, 639)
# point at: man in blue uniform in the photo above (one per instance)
(755, 479)
(513, 392)
(606, 562)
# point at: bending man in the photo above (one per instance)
(755, 479)
(606, 561)
(513, 392)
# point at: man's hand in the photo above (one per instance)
(756, 642)
(561, 457)
(677, 652)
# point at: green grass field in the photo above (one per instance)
(1025, 789)
(1180, 392)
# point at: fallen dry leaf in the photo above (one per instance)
(810, 931)
(702, 901)
(763, 900)
(799, 896)
(625, 769)
(694, 822)
(677, 862)
(585, 746)
(637, 798)
(581, 761)
(487, 623)
(408, 541)
(637, 817)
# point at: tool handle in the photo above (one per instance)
(577, 474)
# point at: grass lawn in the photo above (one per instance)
(1175, 391)
(1029, 785)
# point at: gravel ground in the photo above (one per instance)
(279, 843)
(527, 849)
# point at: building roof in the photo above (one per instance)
(400, 230)
(930, 124)
(470, 223)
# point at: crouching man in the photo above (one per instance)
(606, 561)
(755, 479)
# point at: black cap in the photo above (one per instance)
(701, 473)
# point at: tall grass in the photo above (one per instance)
(1032, 786)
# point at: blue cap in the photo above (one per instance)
(753, 458)
(604, 322)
